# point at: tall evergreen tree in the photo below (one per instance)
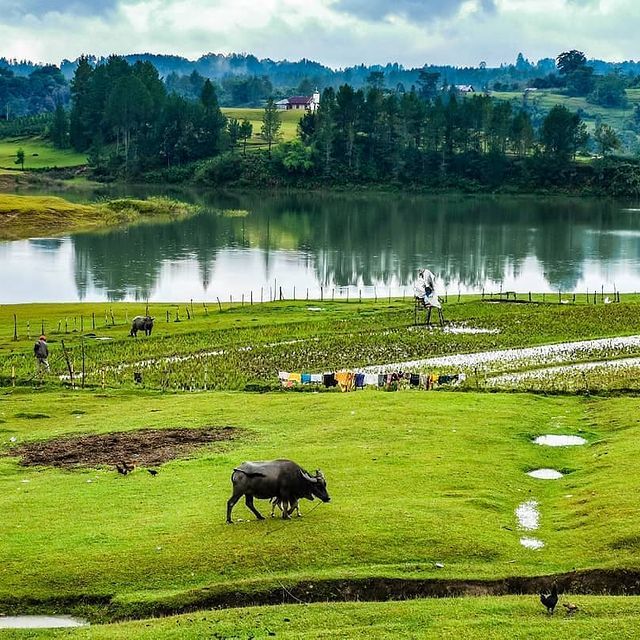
(271, 124)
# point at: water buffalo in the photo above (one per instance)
(281, 479)
(141, 323)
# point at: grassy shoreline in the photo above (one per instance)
(23, 216)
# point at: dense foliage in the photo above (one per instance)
(123, 116)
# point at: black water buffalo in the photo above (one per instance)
(141, 323)
(281, 479)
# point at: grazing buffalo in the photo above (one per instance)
(141, 323)
(283, 480)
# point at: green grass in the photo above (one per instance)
(254, 342)
(289, 128)
(509, 618)
(25, 216)
(38, 154)
(415, 479)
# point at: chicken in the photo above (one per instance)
(550, 600)
(570, 607)
(153, 472)
(124, 467)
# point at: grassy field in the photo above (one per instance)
(414, 480)
(38, 154)
(618, 118)
(26, 216)
(289, 128)
(240, 345)
(510, 618)
(424, 485)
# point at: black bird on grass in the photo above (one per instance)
(124, 467)
(153, 472)
(550, 600)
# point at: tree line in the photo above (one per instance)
(123, 116)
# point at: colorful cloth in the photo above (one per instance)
(382, 379)
(346, 380)
(329, 380)
(425, 381)
(316, 377)
(295, 377)
(359, 380)
(414, 380)
(283, 375)
(305, 378)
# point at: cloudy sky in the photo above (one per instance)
(335, 32)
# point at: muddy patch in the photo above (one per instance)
(145, 447)
(40, 622)
(545, 474)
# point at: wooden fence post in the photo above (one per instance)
(15, 327)
(219, 305)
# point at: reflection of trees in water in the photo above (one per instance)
(368, 239)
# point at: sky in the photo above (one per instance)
(338, 33)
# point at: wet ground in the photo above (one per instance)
(40, 622)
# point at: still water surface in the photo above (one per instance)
(248, 242)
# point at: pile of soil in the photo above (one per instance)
(145, 447)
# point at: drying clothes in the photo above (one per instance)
(462, 377)
(346, 380)
(329, 380)
(359, 380)
(305, 378)
(433, 379)
(316, 377)
(382, 379)
(283, 375)
(414, 380)
(425, 381)
(447, 379)
(295, 377)
(370, 379)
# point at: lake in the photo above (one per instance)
(259, 242)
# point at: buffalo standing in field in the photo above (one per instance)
(284, 480)
(141, 323)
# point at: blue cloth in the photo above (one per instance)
(359, 380)
(305, 378)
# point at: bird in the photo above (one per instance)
(550, 600)
(570, 607)
(124, 467)
(153, 472)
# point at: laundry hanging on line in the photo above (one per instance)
(358, 380)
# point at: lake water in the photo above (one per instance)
(260, 241)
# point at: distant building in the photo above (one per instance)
(308, 103)
(464, 88)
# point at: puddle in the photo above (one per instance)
(528, 515)
(545, 474)
(531, 543)
(560, 441)
(40, 622)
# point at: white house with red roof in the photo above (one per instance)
(308, 103)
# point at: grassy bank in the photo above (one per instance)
(414, 481)
(512, 618)
(27, 216)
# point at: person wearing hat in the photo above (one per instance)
(41, 352)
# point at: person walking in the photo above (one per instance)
(41, 352)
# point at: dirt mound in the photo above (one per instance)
(145, 447)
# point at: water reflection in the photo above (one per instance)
(337, 241)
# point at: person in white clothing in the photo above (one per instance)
(425, 287)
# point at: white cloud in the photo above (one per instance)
(336, 32)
